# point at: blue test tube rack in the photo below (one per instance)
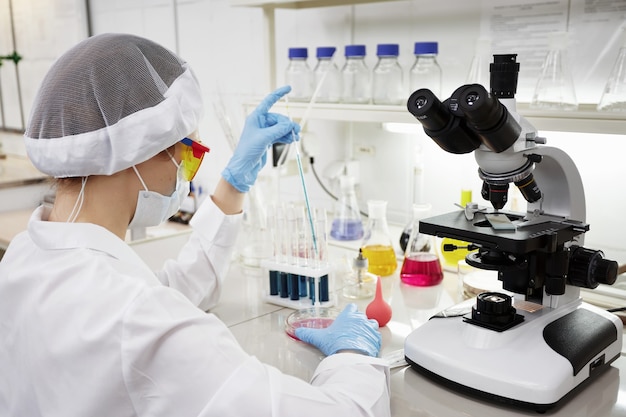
(298, 287)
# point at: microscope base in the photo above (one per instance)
(533, 365)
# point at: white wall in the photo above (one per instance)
(225, 47)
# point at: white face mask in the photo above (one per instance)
(154, 208)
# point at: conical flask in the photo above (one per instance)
(377, 246)
(479, 68)
(614, 94)
(555, 87)
(347, 223)
(421, 266)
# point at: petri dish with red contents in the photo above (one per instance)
(314, 317)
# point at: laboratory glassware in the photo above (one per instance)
(418, 212)
(314, 318)
(387, 76)
(555, 87)
(355, 76)
(377, 246)
(479, 68)
(614, 93)
(425, 72)
(299, 75)
(359, 283)
(421, 266)
(347, 223)
(327, 70)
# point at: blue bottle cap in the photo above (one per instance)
(422, 48)
(388, 49)
(355, 50)
(326, 51)
(298, 53)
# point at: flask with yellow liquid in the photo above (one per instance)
(377, 246)
(450, 259)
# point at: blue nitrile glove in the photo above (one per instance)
(261, 130)
(351, 330)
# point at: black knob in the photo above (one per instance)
(494, 308)
(588, 268)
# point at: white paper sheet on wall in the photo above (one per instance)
(522, 27)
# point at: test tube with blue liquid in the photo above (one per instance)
(300, 275)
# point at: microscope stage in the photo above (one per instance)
(546, 235)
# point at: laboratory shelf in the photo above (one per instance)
(586, 119)
(300, 4)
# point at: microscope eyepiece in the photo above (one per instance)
(440, 123)
(497, 129)
(429, 110)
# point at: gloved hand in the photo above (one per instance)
(351, 330)
(261, 130)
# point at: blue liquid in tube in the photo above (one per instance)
(346, 229)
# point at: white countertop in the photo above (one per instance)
(259, 327)
(17, 170)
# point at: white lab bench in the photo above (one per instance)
(259, 328)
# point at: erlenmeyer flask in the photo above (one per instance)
(555, 87)
(614, 94)
(377, 246)
(421, 267)
(347, 224)
(479, 68)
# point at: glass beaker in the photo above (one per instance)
(377, 246)
(555, 87)
(359, 283)
(421, 267)
(347, 224)
(614, 93)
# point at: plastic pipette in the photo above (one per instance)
(300, 171)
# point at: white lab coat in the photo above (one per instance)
(86, 329)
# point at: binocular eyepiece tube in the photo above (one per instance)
(472, 117)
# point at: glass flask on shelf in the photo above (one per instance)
(421, 266)
(555, 87)
(425, 72)
(377, 246)
(614, 94)
(479, 68)
(387, 79)
(326, 71)
(299, 75)
(355, 76)
(347, 223)
(359, 283)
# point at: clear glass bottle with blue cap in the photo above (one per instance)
(425, 72)
(355, 76)
(327, 76)
(388, 78)
(299, 75)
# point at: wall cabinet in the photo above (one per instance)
(587, 119)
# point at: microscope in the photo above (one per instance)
(536, 343)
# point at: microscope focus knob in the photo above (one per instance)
(493, 308)
(588, 268)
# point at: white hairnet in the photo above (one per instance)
(111, 102)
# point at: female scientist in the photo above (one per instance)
(87, 329)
